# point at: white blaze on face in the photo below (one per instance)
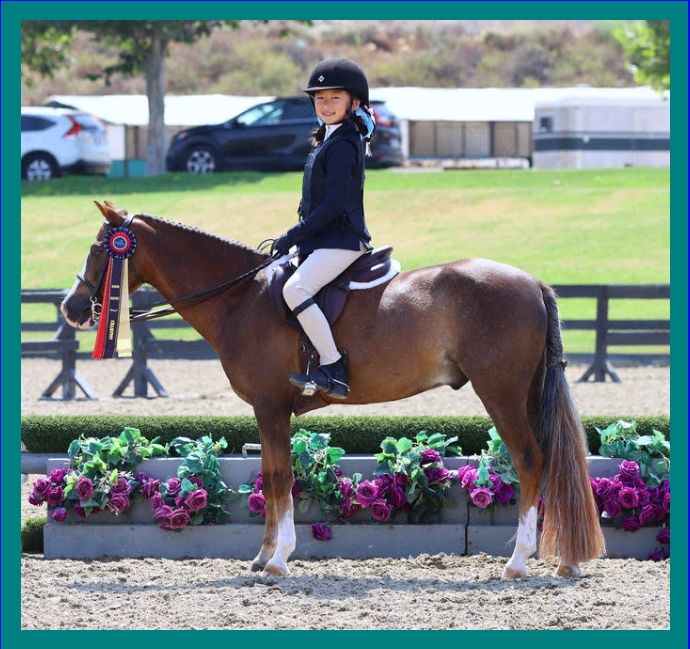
(526, 542)
(84, 325)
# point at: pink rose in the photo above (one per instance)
(59, 514)
(196, 500)
(482, 497)
(179, 519)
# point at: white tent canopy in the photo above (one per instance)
(412, 104)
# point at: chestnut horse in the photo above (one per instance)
(471, 320)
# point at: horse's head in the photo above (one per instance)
(82, 304)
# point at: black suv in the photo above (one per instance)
(273, 136)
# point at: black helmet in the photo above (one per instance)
(339, 73)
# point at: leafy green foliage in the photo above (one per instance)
(201, 459)
(651, 452)
(314, 465)
(499, 459)
(647, 45)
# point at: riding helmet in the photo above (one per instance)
(339, 73)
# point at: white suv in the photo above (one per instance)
(60, 140)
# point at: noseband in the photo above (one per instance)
(96, 306)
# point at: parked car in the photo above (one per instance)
(56, 141)
(272, 136)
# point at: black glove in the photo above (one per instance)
(283, 244)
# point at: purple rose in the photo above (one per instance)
(143, 478)
(664, 536)
(122, 486)
(657, 556)
(667, 502)
(381, 510)
(295, 490)
(629, 472)
(151, 488)
(349, 508)
(504, 494)
(196, 480)
(627, 497)
(118, 503)
(647, 515)
(162, 516)
(384, 483)
(659, 512)
(397, 496)
(259, 485)
(84, 488)
(631, 524)
(644, 497)
(42, 487)
(55, 496)
(611, 506)
(79, 511)
(481, 497)
(495, 482)
(196, 500)
(321, 532)
(400, 480)
(338, 472)
(156, 501)
(437, 474)
(367, 492)
(174, 485)
(179, 519)
(59, 514)
(467, 476)
(604, 488)
(257, 504)
(58, 475)
(429, 457)
(35, 499)
(345, 487)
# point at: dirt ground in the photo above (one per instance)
(201, 387)
(424, 592)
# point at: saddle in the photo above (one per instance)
(371, 269)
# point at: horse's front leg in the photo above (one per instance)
(276, 469)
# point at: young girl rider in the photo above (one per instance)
(332, 232)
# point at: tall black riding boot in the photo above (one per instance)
(330, 379)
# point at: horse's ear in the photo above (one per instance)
(112, 214)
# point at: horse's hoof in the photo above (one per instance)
(513, 573)
(258, 566)
(274, 570)
(568, 571)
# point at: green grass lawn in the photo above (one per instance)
(564, 226)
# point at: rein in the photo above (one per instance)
(138, 315)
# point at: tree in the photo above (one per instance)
(143, 47)
(648, 47)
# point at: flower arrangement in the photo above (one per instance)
(196, 496)
(99, 477)
(491, 482)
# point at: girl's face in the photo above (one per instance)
(332, 106)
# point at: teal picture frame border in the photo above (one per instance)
(12, 15)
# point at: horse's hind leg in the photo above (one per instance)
(276, 468)
(509, 413)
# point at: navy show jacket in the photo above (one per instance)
(332, 205)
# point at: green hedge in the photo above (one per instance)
(32, 534)
(359, 435)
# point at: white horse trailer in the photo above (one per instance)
(590, 132)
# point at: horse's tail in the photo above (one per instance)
(571, 529)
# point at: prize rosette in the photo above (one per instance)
(120, 243)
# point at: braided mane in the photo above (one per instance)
(237, 246)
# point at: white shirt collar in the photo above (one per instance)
(330, 128)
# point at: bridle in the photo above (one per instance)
(137, 315)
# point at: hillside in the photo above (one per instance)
(257, 60)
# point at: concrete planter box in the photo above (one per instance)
(462, 529)
(498, 540)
